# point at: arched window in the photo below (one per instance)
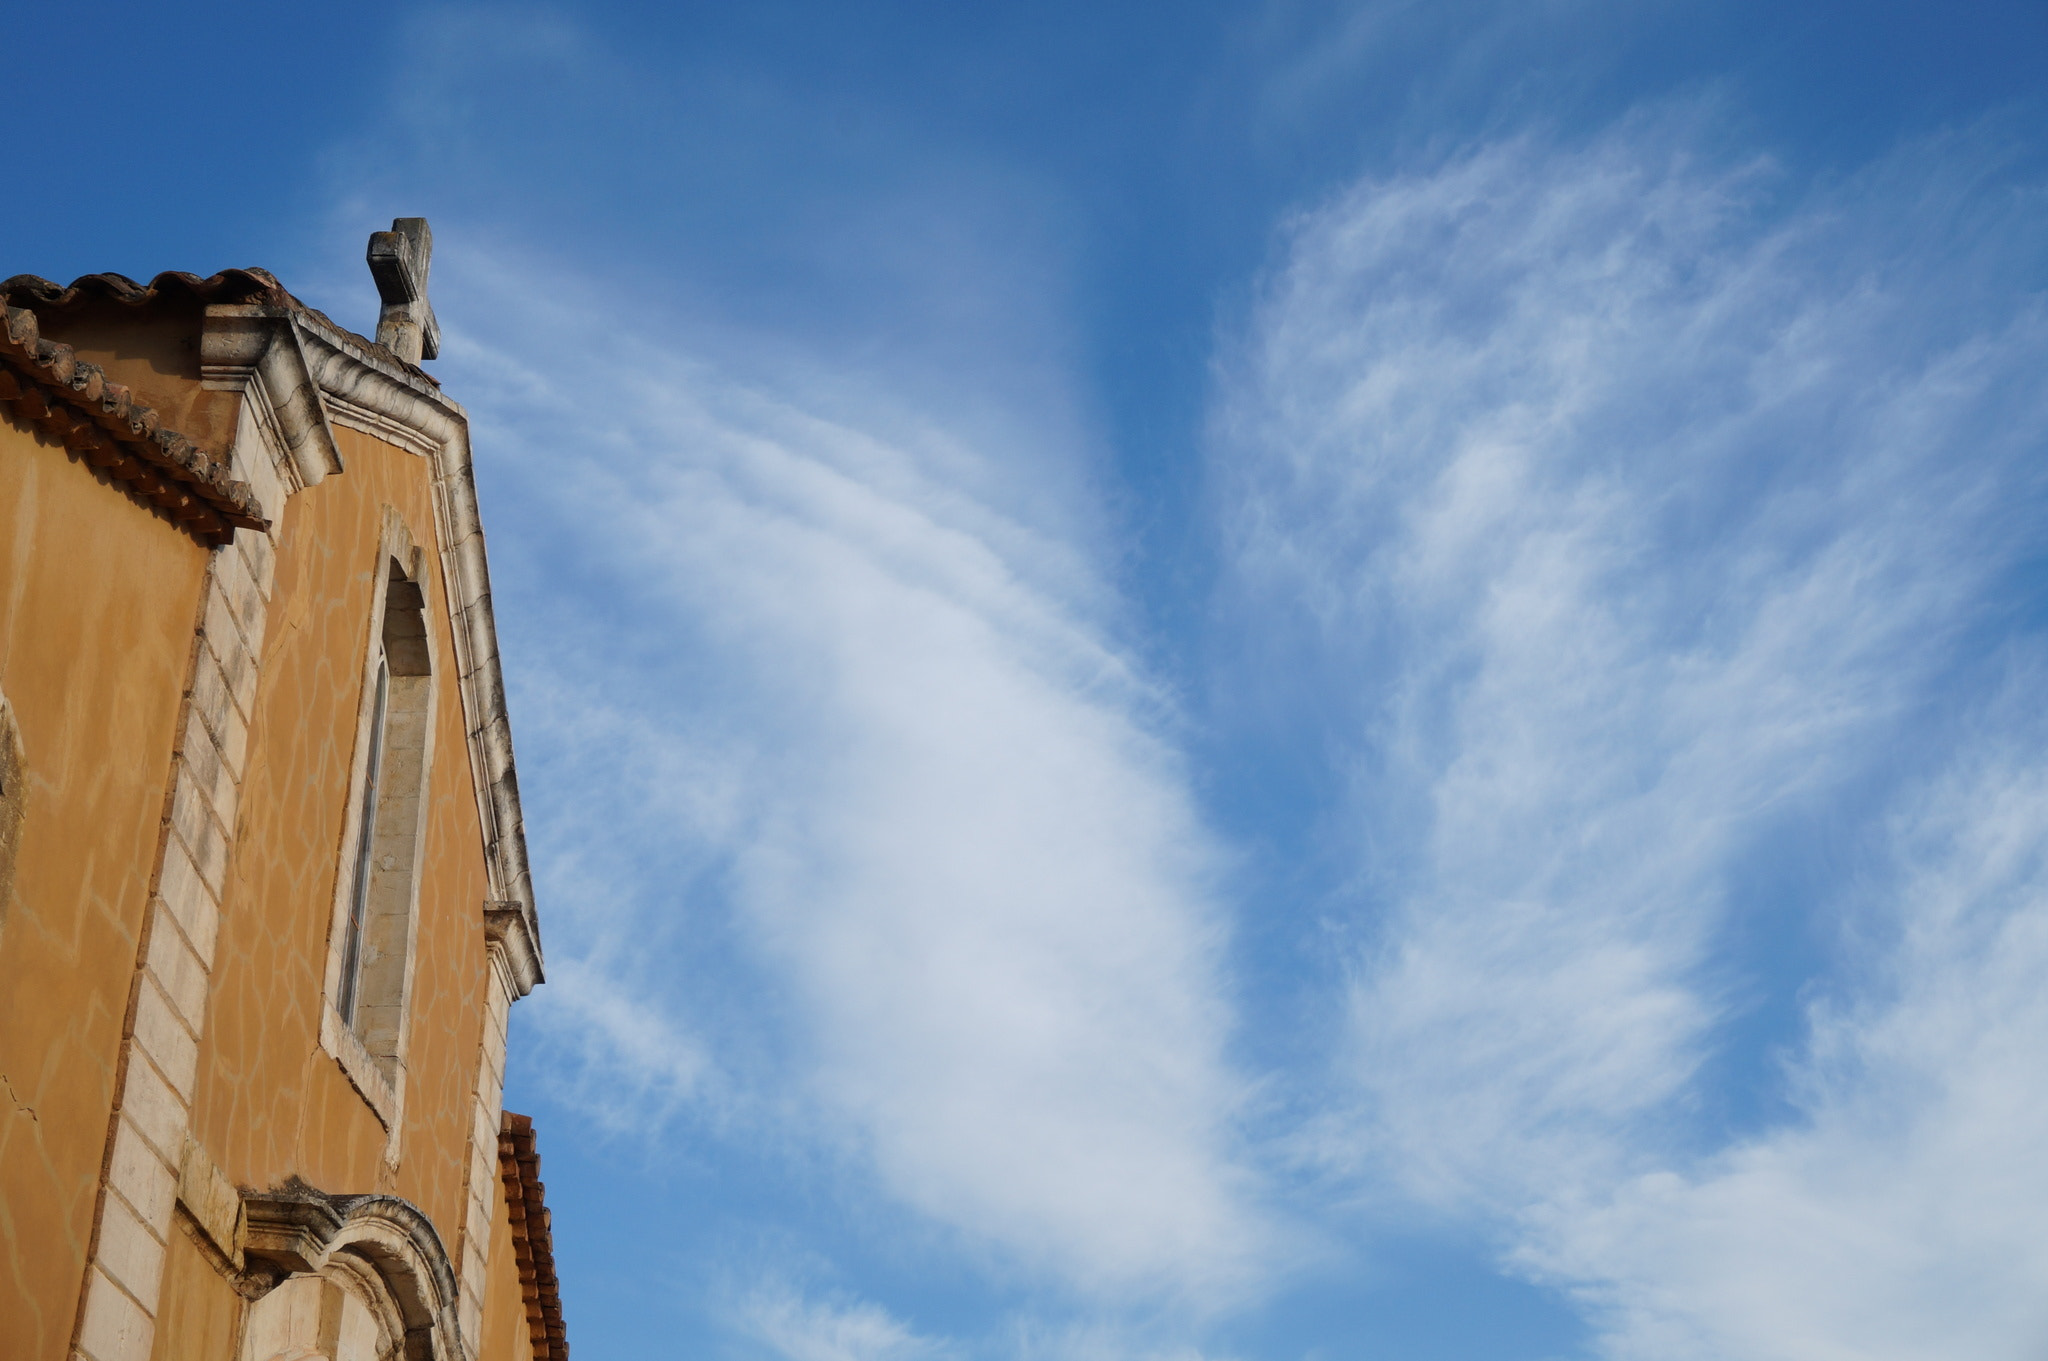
(378, 885)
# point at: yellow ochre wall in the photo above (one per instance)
(99, 599)
(199, 1315)
(271, 1102)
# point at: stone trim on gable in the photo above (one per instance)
(368, 388)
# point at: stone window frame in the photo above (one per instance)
(375, 1060)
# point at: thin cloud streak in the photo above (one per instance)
(1639, 525)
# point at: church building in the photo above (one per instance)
(264, 896)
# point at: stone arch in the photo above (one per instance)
(349, 1278)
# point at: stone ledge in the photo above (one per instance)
(364, 1073)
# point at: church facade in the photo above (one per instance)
(264, 896)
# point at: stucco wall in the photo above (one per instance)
(272, 1102)
(201, 1314)
(154, 350)
(98, 602)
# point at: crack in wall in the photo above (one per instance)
(18, 1103)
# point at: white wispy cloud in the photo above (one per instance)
(796, 1326)
(1893, 1217)
(863, 826)
(1093, 1340)
(1647, 527)
(1638, 532)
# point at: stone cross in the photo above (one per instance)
(399, 260)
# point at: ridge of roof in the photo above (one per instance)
(250, 286)
(46, 385)
(533, 1240)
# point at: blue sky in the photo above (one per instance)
(1218, 682)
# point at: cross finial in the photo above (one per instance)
(399, 260)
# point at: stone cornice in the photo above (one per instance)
(508, 933)
(241, 342)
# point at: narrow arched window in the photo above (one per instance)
(366, 843)
(379, 881)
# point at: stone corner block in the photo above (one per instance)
(212, 1201)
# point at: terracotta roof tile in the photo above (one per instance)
(230, 285)
(533, 1242)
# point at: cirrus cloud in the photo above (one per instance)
(1654, 537)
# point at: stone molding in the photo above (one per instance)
(384, 1095)
(508, 935)
(241, 342)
